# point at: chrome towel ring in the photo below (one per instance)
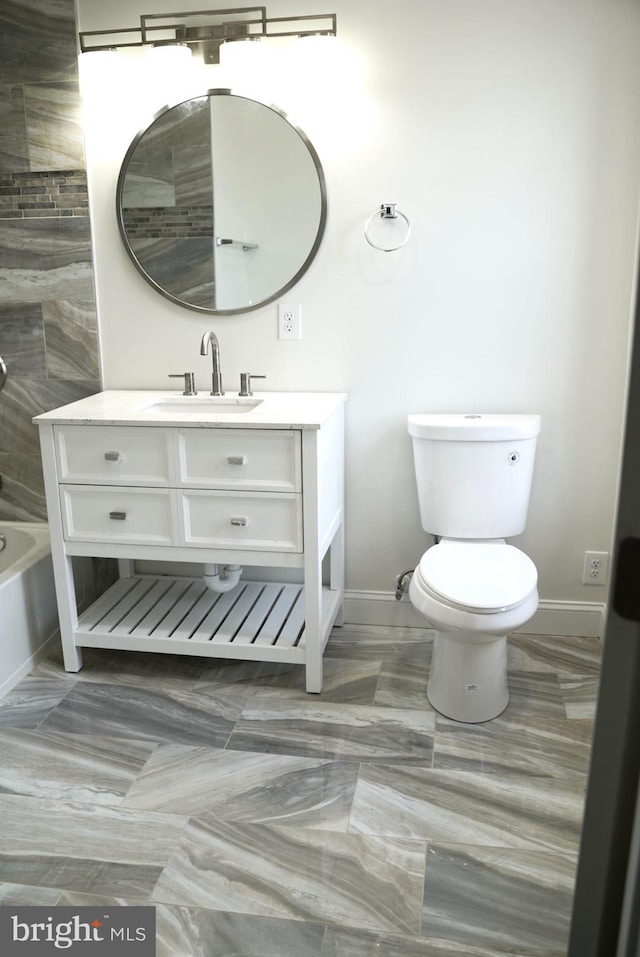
(386, 211)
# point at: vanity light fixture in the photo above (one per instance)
(170, 52)
(205, 31)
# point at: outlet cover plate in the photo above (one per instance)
(289, 320)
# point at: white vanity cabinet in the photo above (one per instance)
(262, 489)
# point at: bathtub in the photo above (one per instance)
(28, 614)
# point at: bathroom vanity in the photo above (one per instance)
(157, 477)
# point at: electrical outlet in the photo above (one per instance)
(289, 320)
(596, 566)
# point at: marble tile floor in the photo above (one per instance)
(264, 822)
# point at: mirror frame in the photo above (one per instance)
(321, 224)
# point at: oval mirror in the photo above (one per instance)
(221, 203)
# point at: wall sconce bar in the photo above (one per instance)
(111, 39)
(236, 22)
(205, 30)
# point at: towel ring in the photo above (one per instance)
(386, 211)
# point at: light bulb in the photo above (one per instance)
(170, 55)
(240, 53)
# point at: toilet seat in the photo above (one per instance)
(484, 578)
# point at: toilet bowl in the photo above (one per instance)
(473, 594)
(473, 475)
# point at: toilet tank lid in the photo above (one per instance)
(473, 427)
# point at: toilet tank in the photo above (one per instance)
(473, 472)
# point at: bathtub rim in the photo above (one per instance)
(41, 547)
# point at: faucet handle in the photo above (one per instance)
(245, 382)
(189, 381)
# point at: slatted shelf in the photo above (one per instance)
(255, 620)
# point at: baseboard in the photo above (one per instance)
(577, 618)
(552, 617)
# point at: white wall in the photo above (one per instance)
(508, 133)
(251, 188)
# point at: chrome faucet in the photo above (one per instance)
(216, 375)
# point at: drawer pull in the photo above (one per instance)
(237, 459)
(240, 520)
(113, 456)
(118, 516)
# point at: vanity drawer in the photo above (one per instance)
(264, 460)
(265, 521)
(113, 455)
(135, 516)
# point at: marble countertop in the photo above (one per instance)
(271, 410)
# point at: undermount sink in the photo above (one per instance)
(215, 404)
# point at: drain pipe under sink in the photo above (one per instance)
(221, 581)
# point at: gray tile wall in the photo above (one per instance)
(168, 222)
(48, 334)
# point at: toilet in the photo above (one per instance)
(473, 475)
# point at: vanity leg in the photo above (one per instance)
(126, 567)
(336, 571)
(67, 611)
(313, 662)
(62, 563)
(313, 623)
(312, 565)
